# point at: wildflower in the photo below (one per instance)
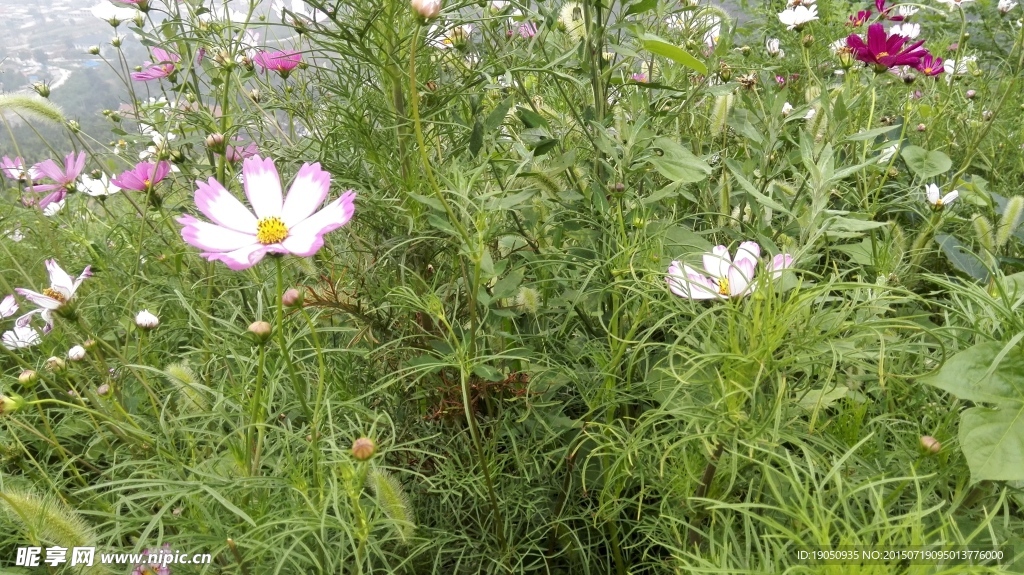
(771, 46)
(98, 187)
(930, 65)
(142, 5)
(907, 30)
(1006, 5)
(728, 277)
(76, 353)
(953, 4)
(958, 67)
(261, 330)
(63, 179)
(456, 37)
(53, 208)
(932, 193)
(146, 320)
(570, 19)
(281, 62)
(113, 14)
(154, 568)
(10, 404)
(428, 9)
(524, 30)
(161, 67)
(60, 293)
(143, 177)
(859, 19)
(16, 170)
(20, 336)
(639, 78)
(240, 239)
(795, 18)
(363, 448)
(787, 109)
(887, 12)
(238, 153)
(906, 10)
(885, 51)
(14, 235)
(888, 153)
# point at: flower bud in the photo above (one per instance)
(745, 50)
(28, 377)
(921, 127)
(291, 297)
(42, 89)
(116, 42)
(970, 94)
(724, 72)
(254, 95)
(363, 448)
(146, 320)
(808, 40)
(987, 115)
(845, 55)
(929, 444)
(55, 365)
(10, 404)
(215, 142)
(94, 50)
(428, 9)
(76, 353)
(261, 330)
(103, 390)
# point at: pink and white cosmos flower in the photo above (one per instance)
(63, 178)
(162, 66)
(143, 177)
(16, 170)
(281, 62)
(8, 307)
(61, 291)
(727, 277)
(280, 226)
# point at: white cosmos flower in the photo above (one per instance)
(76, 353)
(21, 336)
(932, 193)
(61, 291)
(906, 10)
(953, 4)
(907, 30)
(796, 17)
(1006, 5)
(787, 109)
(14, 235)
(773, 48)
(726, 277)
(53, 208)
(98, 187)
(108, 12)
(146, 320)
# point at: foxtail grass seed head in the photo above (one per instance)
(76, 353)
(10, 403)
(930, 445)
(28, 378)
(55, 365)
(427, 9)
(1010, 220)
(983, 231)
(261, 330)
(363, 448)
(146, 320)
(291, 297)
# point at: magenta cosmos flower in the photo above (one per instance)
(291, 225)
(143, 177)
(63, 178)
(930, 65)
(61, 291)
(16, 170)
(281, 62)
(727, 277)
(885, 51)
(161, 67)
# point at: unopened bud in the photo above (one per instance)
(254, 95)
(55, 365)
(261, 330)
(103, 390)
(808, 40)
(10, 404)
(987, 115)
(724, 72)
(146, 320)
(291, 297)
(970, 94)
(745, 50)
(428, 9)
(921, 127)
(76, 353)
(363, 448)
(845, 54)
(929, 444)
(215, 142)
(28, 377)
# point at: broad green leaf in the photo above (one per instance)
(678, 163)
(497, 115)
(926, 164)
(820, 398)
(531, 119)
(768, 202)
(508, 285)
(993, 443)
(660, 47)
(974, 375)
(641, 7)
(476, 139)
(961, 258)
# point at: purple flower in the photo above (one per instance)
(859, 19)
(16, 170)
(157, 567)
(883, 11)
(63, 178)
(237, 153)
(281, 62)
(526, 30)
(143, 177)
(885, 51)
(161, 67)
(289, 225)
(930, 65)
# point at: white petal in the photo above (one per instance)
(306, 194)
(948, 198)
(717, 262)
(262, 186)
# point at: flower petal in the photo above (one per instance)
(948, 198)
(306, 193)
(262, 186)
(39, 299)
(717, 262)
(219, 205)
(331, 217)
(779, 263)
(214, 238)
(8, 307)
(741, 274)
(748, 251)
(59, 279)
(242, 258)
(932, 191)
(50, 169)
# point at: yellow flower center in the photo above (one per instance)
(147, 183)
(723, 286)
(54, 294)
(270, 230)
(882, 54)
(938, 203)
